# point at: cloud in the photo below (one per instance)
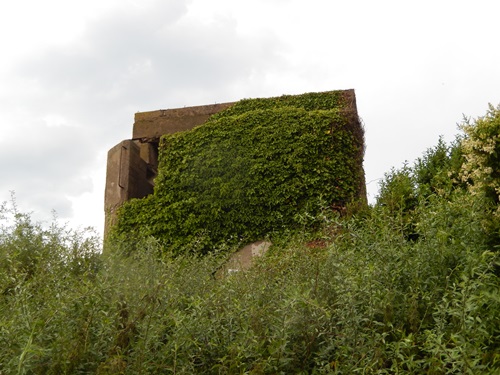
(136, 56)
(46, 165)
(70, 102)
(152, 58)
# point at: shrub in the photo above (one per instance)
(42, 273)
(481, 170)
(481, 147)
(364, 300)
(438, 171)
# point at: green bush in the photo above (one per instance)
(482, 153)
(438, 171)
(354, 297)
(45, 275)
(481, 170)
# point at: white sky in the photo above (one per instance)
(73, 73)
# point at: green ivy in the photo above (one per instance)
(249, 171)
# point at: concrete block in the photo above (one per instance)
(126, 178)
(152, 125)
(244, 258)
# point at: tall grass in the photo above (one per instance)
(366, 300)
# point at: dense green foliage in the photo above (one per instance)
(256, 168)
(408, 286)
(482, 151)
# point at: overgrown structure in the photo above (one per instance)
(203, 175)
(133, 163)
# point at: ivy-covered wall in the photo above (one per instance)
(260, 166)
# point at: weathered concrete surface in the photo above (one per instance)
(154, 124)
(244, 258)
(126, 178)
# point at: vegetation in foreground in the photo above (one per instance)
(410, 285)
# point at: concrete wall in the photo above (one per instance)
(243, 259)
(128, 176)
(154, 124)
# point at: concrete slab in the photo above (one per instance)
(153, 124)
(244, 258)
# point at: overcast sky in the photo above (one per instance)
(73, 73)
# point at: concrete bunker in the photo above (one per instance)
(133, 163)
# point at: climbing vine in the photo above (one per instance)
(252, 169)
